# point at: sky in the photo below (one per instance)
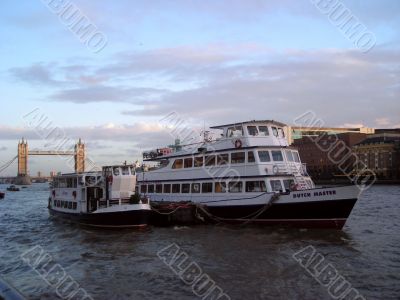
(202, 62)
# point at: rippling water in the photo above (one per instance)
(247, 263)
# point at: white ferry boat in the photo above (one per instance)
(249, 174)
(100, 199)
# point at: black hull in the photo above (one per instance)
(310, 214)
(123, 219)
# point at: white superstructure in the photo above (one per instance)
(247, 159)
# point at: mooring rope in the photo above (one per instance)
(171, 212)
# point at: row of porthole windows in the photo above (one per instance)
(204, 187)
(65, 204)
(235, 158)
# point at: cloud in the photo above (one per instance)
(382, 121)
(37, 74)
(351, 125)
(139, 134)
(226, 83)
(340, 86)
(99, 93)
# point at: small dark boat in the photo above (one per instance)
(13, 188)
(2, 195)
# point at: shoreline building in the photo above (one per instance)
(381, 153)
(326, 154)
(298, 132)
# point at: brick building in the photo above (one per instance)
(381, 153)
(325, 153)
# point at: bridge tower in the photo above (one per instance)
(80, 157)
(23, 158)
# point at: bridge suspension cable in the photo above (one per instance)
(7, 164)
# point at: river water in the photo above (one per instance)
(246, 263)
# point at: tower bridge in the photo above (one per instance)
(24, 153)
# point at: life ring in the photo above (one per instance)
(238, 144)
(275, 169)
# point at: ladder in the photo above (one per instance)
(301, 182)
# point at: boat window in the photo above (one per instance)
(62, 183)
(252, 130)
(288, 184)
(235, 186)
(65, 204)
(276, 185)
(150, 188)
(167, 188)
(263, 130)
(125, 170)
(195, 188)
(234, 131)
(164, 163)
(210, 160)
(289, 155)
(274, 131)
(69, 205)
(206, 187)
(55, 182)
(296, 156)
(133, 171)
(222, 159)
(143, 188)
(178, 164)
(176, 188)
(188, 163)
(281, 132)
(220, 187)
(186, 188)
(198, 161)
(74, 205)
(116, 171)
(90, 180)
(159, 188)
(255, 186)
(277, 155)
(71, 182)
(250, 157)
(237, 157)
(264, 156)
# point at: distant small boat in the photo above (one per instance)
(12, 188)
(2, 195)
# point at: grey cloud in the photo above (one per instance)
(340, 87)
(101, 93)
(35, 74)
(139, 134)
(223, 83)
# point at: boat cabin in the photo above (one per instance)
(87, 192)
(254, 133)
